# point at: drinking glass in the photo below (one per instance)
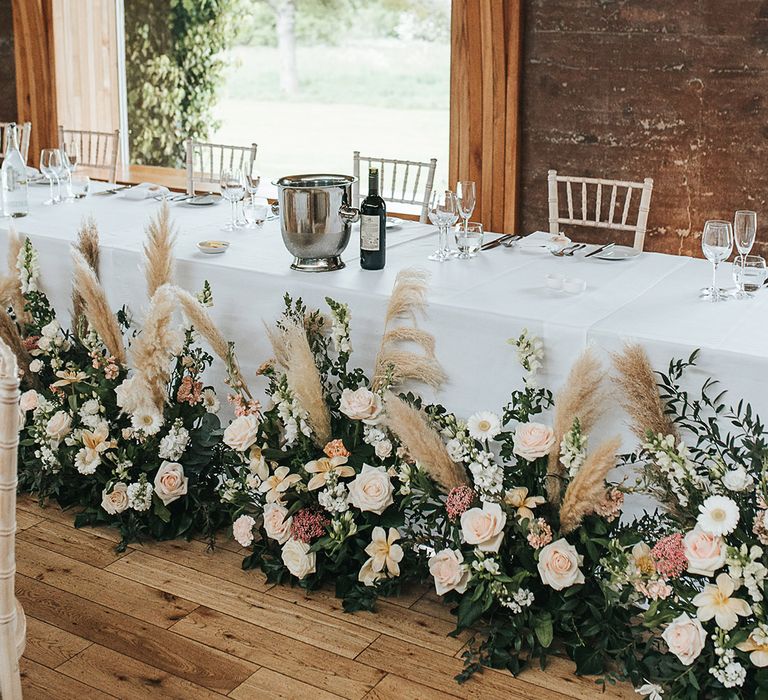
(443, 213)
(81, 184)
(233, 191)
(466, 199)
(717, 244)
(469, 239)
(50, 165)
(251, 182)
(70, 155)
(744, 231)
(749, 273)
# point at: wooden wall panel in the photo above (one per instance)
(485, 73)
(7, 67)
(35, 71)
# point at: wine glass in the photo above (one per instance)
(251, 182)
(744, 231)
(443, 213)
(233, 191)
(717, 244)
(50, 165)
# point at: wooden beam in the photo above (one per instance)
(35, 72)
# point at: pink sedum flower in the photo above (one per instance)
(308, 525)
(459, 501)
(669, 556)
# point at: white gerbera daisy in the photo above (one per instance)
(148, 421)
(484, 425)
(718, 515)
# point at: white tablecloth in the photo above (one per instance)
(474, 305)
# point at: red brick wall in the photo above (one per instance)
(676, 90)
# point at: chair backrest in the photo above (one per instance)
(25, 129)
(206, 162)
(12, 620)
(599, 211)
(402, 181)
(98, 149)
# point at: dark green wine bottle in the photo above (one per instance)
(373, 226)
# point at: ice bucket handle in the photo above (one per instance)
(349, 214)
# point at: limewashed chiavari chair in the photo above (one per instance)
(593, 212)
(401, 181)
(98, 149)
(25, 129)
(13, 626)
(206, 162)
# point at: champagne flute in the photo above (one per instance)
(50, 162)
(443, 213)
(233, 191)
(744, 231)
(467, 198)
(717, 244)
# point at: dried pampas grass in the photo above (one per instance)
(394, 363)
(158, 251)
(15, 297)
(155, 346)
(9, 333)
(423, 443)
(640, 393)
(96, 308)
(582, 397)
(587, 489)
(304, 380)
(88, 245)
(200, 319)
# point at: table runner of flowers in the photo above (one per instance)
(348, 477)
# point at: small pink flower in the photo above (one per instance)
(243, 407)
(459, 500)
(308, 525)
(190, 391)
(30, 342)
(335, 448)
(539, 533)
(111, 371)
(610, 507)
(669, 555)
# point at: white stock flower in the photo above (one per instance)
(738, 479)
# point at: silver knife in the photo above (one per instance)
(496, 242)
(601, 249)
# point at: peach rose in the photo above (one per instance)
(28, 400)
(276, 525)
(361, 404)
(371, 490)
(685, 638)
(298, 559)
(705, 552)
(559, 564)
(170, 482)
(116, 501)
(241, 433)
(533, 440)
(484, 526)
(448, 570)
(242, 530)
(59, 425)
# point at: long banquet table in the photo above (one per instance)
(474, 305)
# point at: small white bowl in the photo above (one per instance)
(213, 247)
(554, 282)
(574, 285)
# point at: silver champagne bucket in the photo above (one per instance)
(316, 219)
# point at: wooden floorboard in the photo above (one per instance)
(177, 620)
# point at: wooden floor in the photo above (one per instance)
(174, 620)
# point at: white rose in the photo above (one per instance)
(371, 490)
(28, 400)
(705, 552)
(738, 480)
(50, 330)
(44, 344)
(685, 638)
(484, 526)
(448, 570)
(383, 449)
(115, 501)
(298, 559)
(242, 530)
(559, 564)
(35, 366)
(241, 433)
(456, 450)
(58, 425)
(276, 524)
(170, 482)
(361, 404)
(533, 440)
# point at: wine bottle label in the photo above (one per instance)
(369, 232)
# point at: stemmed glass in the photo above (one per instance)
(717, 244)
(70, 155)
(466, 199)
(251, 182)
(233, 191)
(744, 231)
(50, 166)
(443, 213)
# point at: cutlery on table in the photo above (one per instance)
(114, 190)
(601, 249)
(568, 251)
(511, 241)
(496, 242)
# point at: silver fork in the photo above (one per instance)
(568, 250)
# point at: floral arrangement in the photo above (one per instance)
(319, 485)
(517, 533)
(124, 429)
(695, 573)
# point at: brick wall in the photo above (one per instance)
(7, 80)
(676, 90)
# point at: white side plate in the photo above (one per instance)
(619, 252)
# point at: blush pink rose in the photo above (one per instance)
(28, 400)
(361, 404)
(116, 501)
(705, 552)
(685, 638)
(559, 564)
(276, 524)
(242, 530)
(533, 440)
(371, 490)
(484, 527)
(448, 570)
(170, 482)
(242, 432)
